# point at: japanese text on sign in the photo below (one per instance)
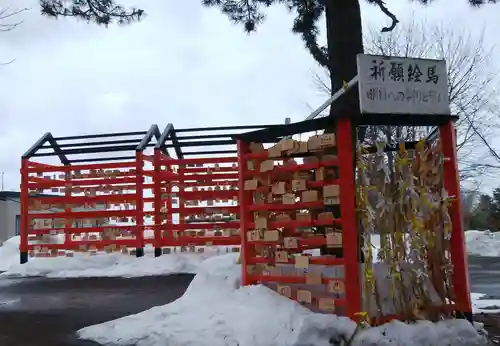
(393, 85)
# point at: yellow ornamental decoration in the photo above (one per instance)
(401, 199)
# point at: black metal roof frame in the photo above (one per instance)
(278, 131)
(170, 139)
(106, 145)
(274, 133)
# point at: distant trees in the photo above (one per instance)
(482, 212)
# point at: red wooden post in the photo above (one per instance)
(157, 202)
(67, 208)
(345, 155)
(245, 216)
(139, 205)
(458, 252)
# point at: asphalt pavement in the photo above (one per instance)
(43, 312)
(484, 274)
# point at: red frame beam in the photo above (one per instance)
(346, 157)
(460, 275)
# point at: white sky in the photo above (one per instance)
(183, 64)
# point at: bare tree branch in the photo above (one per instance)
(471, 92)
(8, 62)
(6, 14)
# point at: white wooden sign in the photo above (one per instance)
(395, 85)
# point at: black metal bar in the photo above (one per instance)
(153, 131)
(200, 143)
(177, 148)
(433, 134)
(94, 150)
(58, 151)
(100, 159)
(181, 138)
(160, 143)
(404, 119)
(408, 146)
(102, 135)
(157, 133)
(275, 131)
(35, 147)
(225, 128)
(218, 152)
(69, 145)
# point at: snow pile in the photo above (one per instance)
(216, 311)
(100, 265)
(478, 243)
(481, 304)
(9, 253)
(482, 243)
(107, 265)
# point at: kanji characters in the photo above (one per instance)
(397, 72)
(378, 70)
(414, 73)
(432, 76)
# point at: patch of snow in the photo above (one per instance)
(481, 305)
(482, 243)
(107, 265)
(102, 264)
(449, 332)
(215, 311)
(478, 243)
(9, 253)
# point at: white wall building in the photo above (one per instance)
(10, 210)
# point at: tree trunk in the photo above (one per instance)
(345, 40)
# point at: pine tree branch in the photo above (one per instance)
(308, 13)
(101, 12)
(385, 10)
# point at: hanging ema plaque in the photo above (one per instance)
(395, 85)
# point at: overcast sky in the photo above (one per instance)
(183, 64)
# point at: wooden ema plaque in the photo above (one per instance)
(281, 234)
(326, 304)
(304, 296)
(285, 291)
(336, 286)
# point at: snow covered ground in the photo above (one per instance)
(119, 265)
(482, 243)
(478, 243)
(215, 310)
(102, 264)
(482, 305)
(9, 253)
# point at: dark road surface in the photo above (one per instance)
(43, 312)
(484, 274)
